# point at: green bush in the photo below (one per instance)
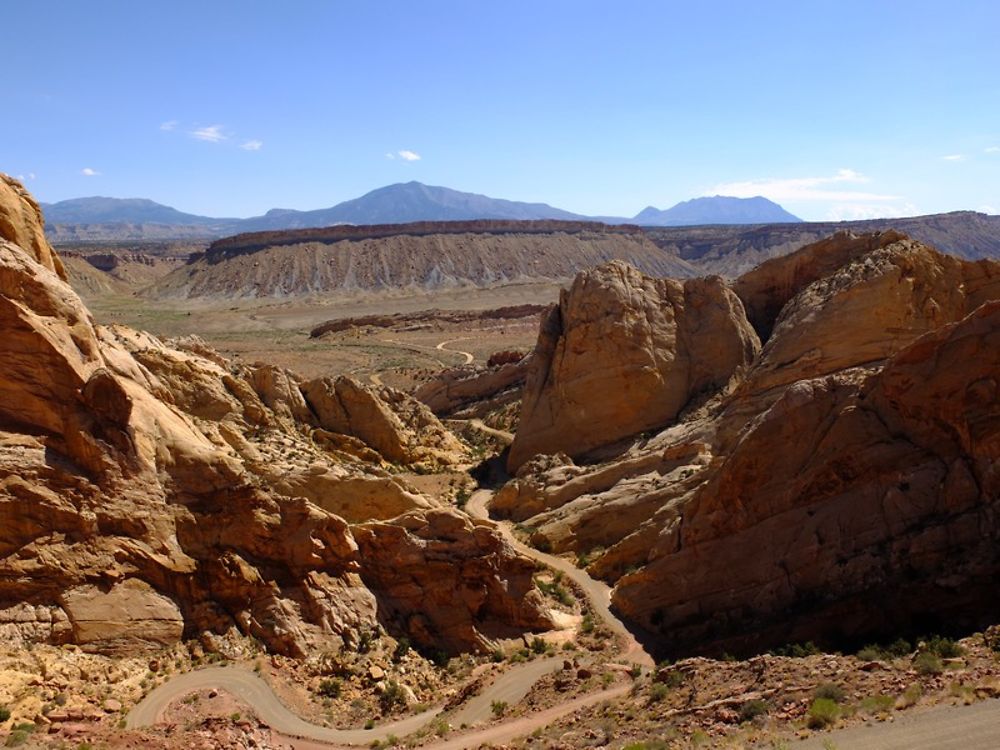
(899, 647)
(823, 712)
(392, 697)
(877, 704)
(4, 713)
(402, 649)
(871, 653)
(673, 678)
(752, 709)
(946, 648)
(830, 690)
(927, 662)
(538, 645)
(658, 692)
(587, 624)
(498, 708)
(19, 735)
(330, 687)
(797, 650)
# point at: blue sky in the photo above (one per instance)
(834, 109)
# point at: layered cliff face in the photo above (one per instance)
(842, 486)
(151, 490)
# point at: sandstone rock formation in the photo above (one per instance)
(21, 223)
(842, 487)
(151, 491)
(396, 425)
(623, 353)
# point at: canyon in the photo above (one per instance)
(710, 464)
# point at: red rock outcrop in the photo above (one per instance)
(150, 492)
(842, 487)
(623, 353)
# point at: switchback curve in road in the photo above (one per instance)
(511, 687)
(442, 347)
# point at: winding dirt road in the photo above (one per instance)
(442, 347)
(511, 687)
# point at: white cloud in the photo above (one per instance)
(253, 145)
(389, 155)
(169, 125)
(988, 210)
(861, 211)
(802, 188)
(407, 155)
(31, 175)
(210, 133)
(993, 150)
(88, 172)
(954, 157)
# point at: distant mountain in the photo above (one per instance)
(717, 209)
(101, 210)
(406, 202)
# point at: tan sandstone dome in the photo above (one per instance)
(150, 491)
(842, 486)
(624, 352)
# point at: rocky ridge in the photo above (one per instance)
(421, 256)
(837, 484)
(150, 490)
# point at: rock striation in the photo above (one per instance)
(842, 486)
(150, 491)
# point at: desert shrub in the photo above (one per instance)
(392, 697)
(498, 708)
(402, 649)
(830, 690)
(647, 745)
(370, 724)
(823, 712)
(587, 624)
(927, 662)
(365, 641)
(797, 650)
(910, 696)
(4, 713)
(877, 704)
(946, 648)
(752, 709)
(19, 735)
(17, 738)
(538, 645)
(497, 656)
(556, 591)
(870, 653)
(673, 678)
(658, 692)
(899, 647)
(330, 687)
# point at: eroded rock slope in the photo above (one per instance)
(150, 491)
(842, 485)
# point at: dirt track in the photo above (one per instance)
(511, 687)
